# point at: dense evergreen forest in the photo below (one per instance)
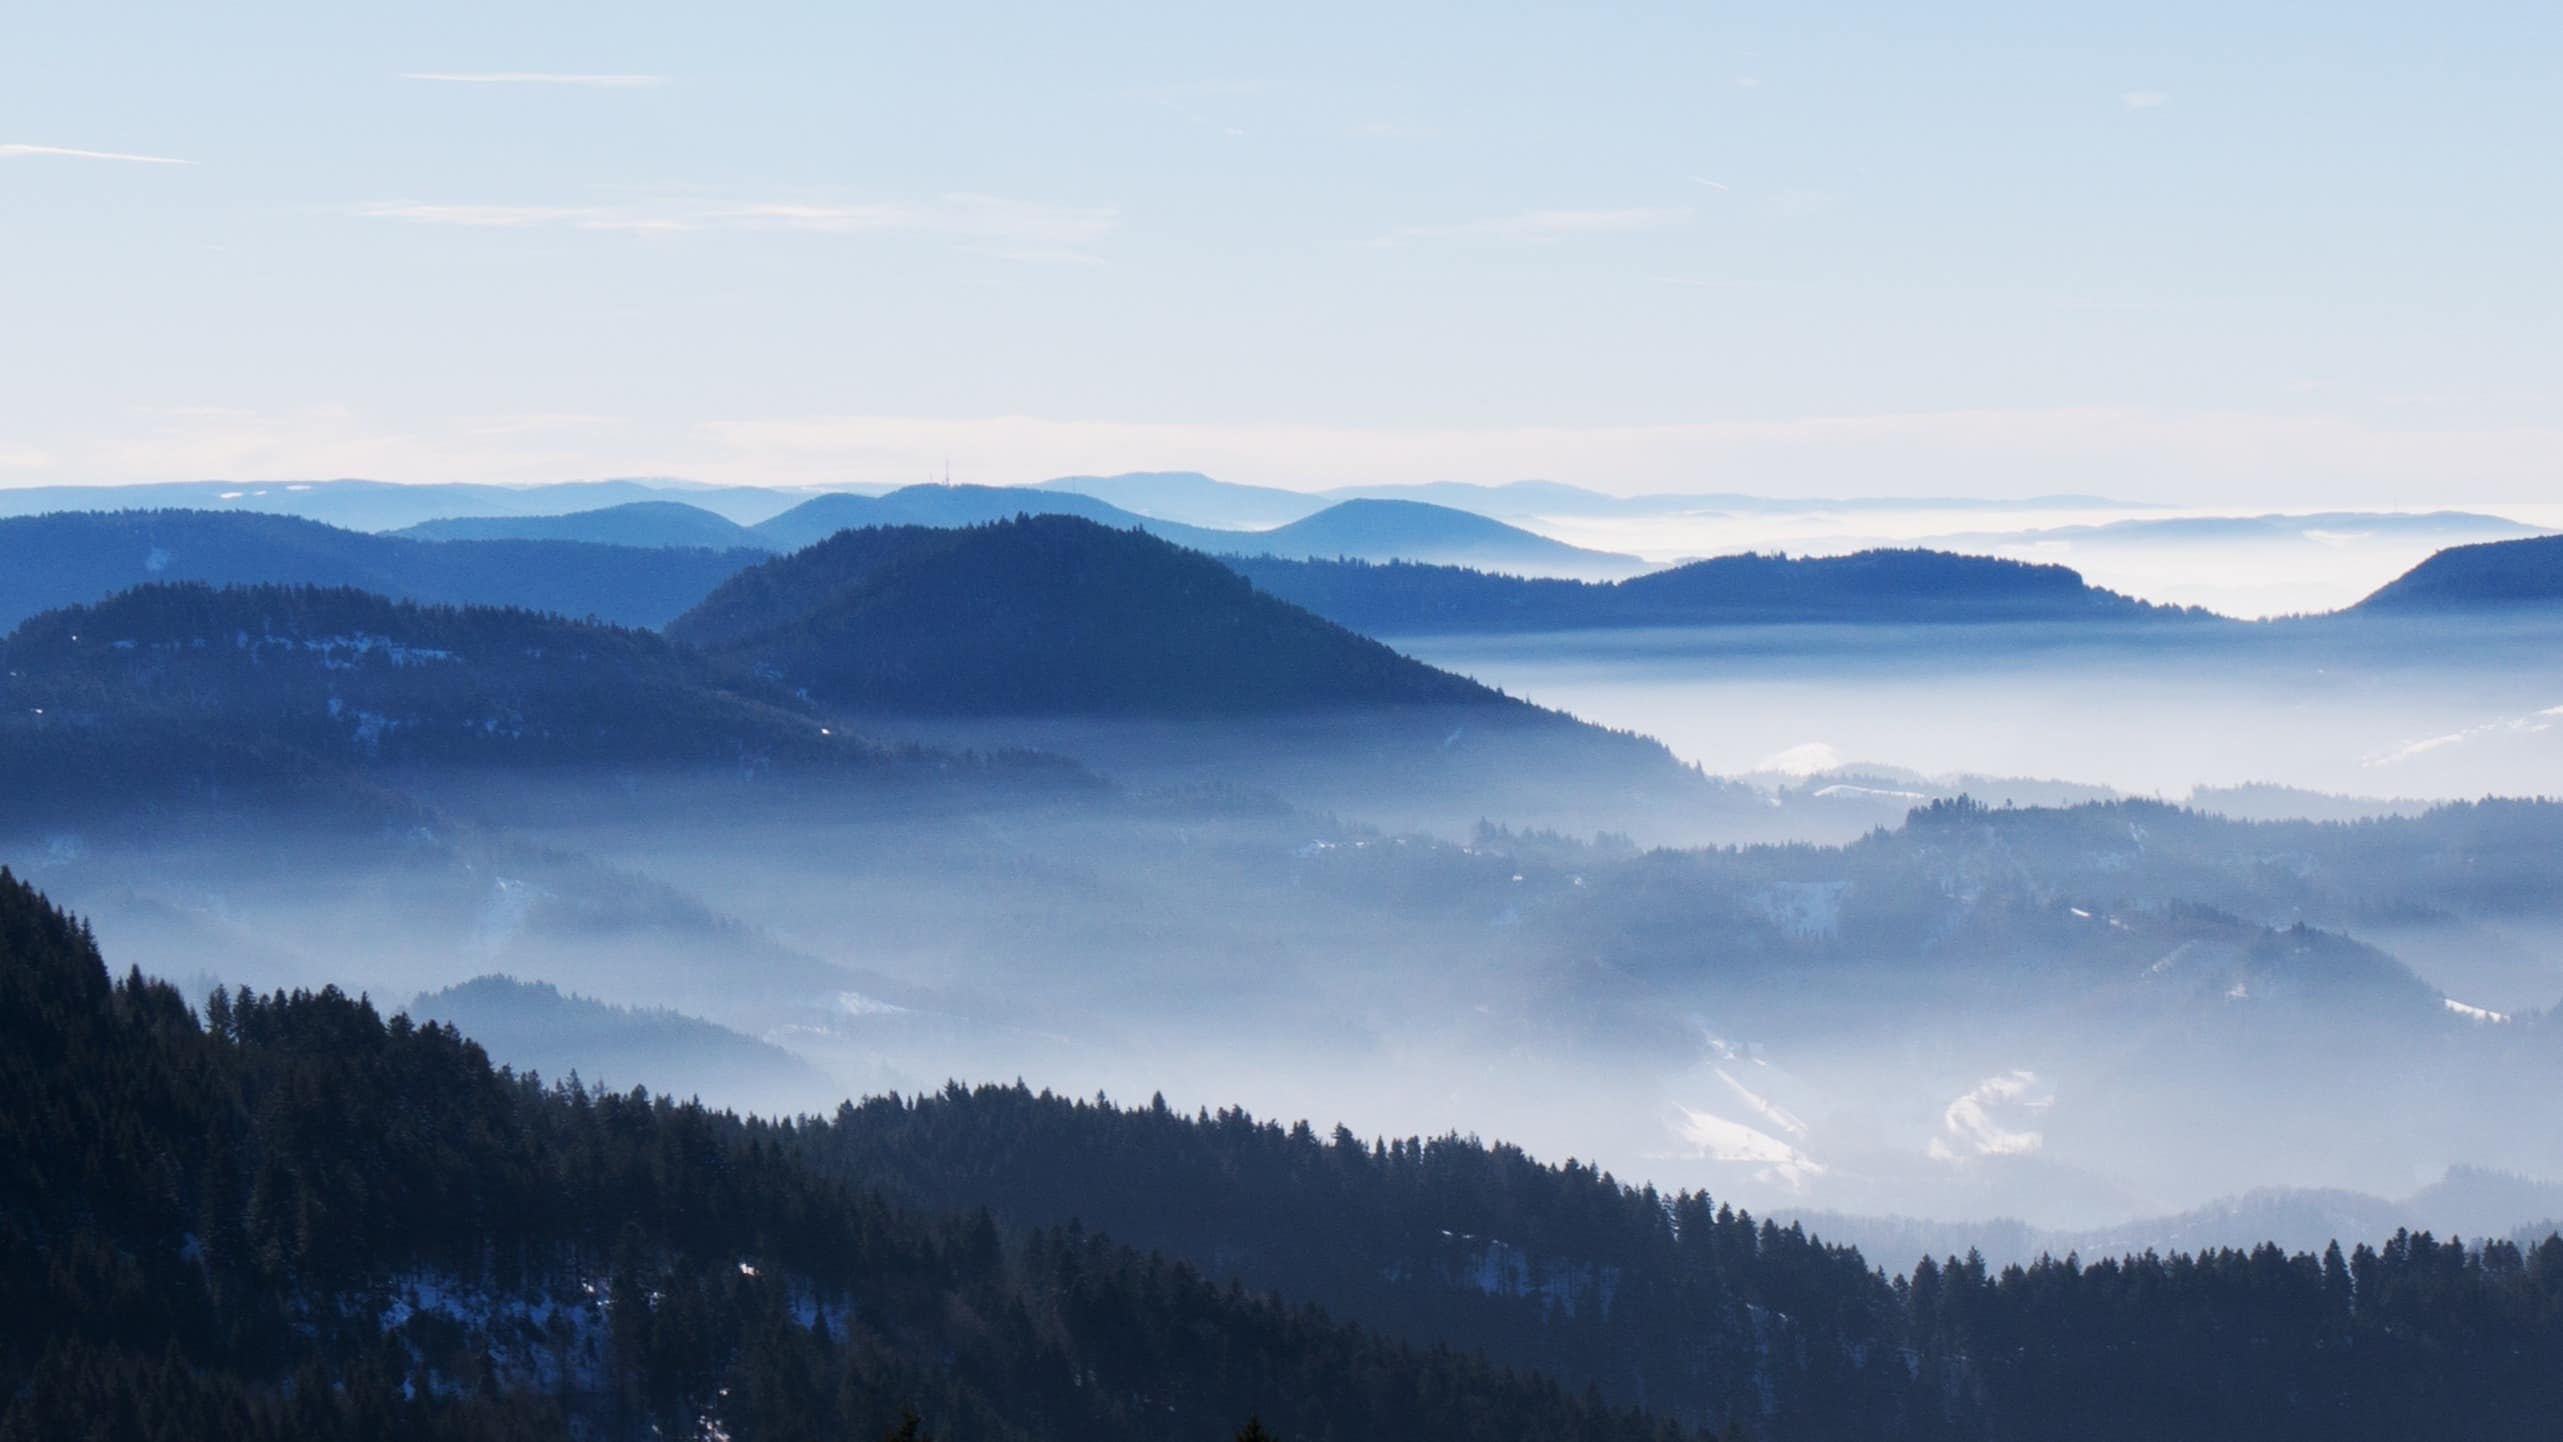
(298, 1219)
(295, 1217)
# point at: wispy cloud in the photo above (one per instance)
(1013, 229)
(1545, 227)
(2144, 99)
(65, 152)
(535, 77)
(1711, 184)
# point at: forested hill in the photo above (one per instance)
(1047, 615)
(1893, 587)
(267, 701)
(945, 507)
(2494, 575)
(73, 558)
(348, 674)
(296, 1219)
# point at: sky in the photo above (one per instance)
(2240, 253)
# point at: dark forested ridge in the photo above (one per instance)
(172, 690)
(1047, 614)
(945, 507)
(345, 672)
(298, 1219)
(73, 558)
(2492, 575)
(1891, 587)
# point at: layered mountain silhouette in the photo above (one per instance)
(1375, 530)
(2361, 525)
(1194, 499)
(637, 523)
(534, 1026)
(1418, 531)
(2492, 576)
(345, 674)
(388, 505)
(77, 557)
(820, 517)
(1871, 587)
(1046, 615)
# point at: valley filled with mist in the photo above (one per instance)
(1932, 903)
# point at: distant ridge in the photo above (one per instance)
(1191, 498)
(1529, 499)
(1419, 531)
(388, 505)
(1369, 530)
(1891, 587)
(532, 1025)
(2467, 525)
(636, 523)
(78, 557)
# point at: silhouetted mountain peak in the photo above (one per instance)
(1046, 614)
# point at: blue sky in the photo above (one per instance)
(2260, 253)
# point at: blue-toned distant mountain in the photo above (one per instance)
(533, 1026)
(2328, 526)
(78, 557)
(1045, 614)
(1194, 499)
(638, 523)
(1378, 530)
(1526, 499)
(388, 505)
(947, 506)
(1891, 587)
(1368, 530)
(2524, 575)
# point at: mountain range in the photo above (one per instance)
(388, 505)
(1371, 529)
(634, 523)
(1881, 587)
(72, 558)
